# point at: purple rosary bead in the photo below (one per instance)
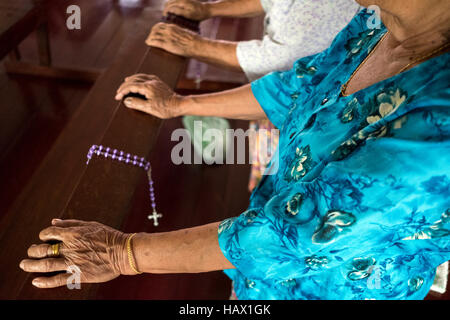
(135, 161)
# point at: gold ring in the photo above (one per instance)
(55, 250)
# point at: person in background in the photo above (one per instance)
(293, 29)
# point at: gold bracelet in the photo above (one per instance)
(130, 254)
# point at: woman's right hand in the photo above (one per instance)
(191, 9)
(98, 251)
(161, 101)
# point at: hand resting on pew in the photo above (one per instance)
(177, 40)
(198, 10)
(186, 43)
(190, 9)
(164, 103)
(103, 253)
(149, 94)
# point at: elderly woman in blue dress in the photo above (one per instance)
(359, 205)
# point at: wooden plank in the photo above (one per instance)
(43, 44)
(17, 20)
(13, 11)
(14, 55)
(22, 150)
(35, 70)
(63, 174)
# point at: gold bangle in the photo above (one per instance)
(130, 254)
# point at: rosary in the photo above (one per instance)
(129, 159)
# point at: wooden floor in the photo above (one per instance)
(34, 111)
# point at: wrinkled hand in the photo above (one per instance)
(97, 250)
(174, 39)
(161, 101)
(190, 9)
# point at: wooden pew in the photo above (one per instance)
(18, 19)
(63, 186)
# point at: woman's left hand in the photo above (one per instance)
(174, 39)
(98, 251)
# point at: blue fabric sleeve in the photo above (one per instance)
(273, 100)
(274, 91)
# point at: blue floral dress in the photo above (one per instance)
(356, 205)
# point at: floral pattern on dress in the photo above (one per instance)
(301, 164)
(439, 229)
(360, 268)
(334, 223)
(364, 40)
(350, 112)
(294, 204)
(302, 69)
(315, 262)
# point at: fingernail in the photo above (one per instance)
(21, 265)
(56, 220)
(36, 283)
(128, 101)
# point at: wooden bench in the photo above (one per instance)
(18, 19)
(63, 186)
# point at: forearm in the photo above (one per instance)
(234, 8)
(236, 103)
(190, 250)
(218, 52)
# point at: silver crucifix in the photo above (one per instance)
(154, 216)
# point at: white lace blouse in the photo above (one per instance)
(293, 29)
